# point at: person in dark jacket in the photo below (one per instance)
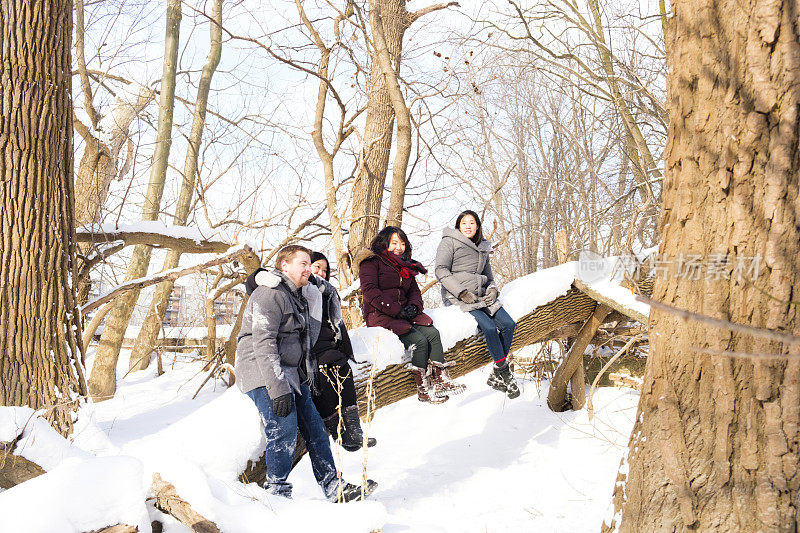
(464, 271)
(392, 300)
(273, 368)
(335, 393)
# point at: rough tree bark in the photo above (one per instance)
(148, 334)
(716, 443)
(102, 381)
(40, 344)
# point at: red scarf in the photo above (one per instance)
(405, 268)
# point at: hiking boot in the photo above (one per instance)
(333, 426)
(425, 392)
(353, 435)
(442, 382)
(501, 379)
(352, 493)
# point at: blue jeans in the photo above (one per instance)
(498, 331)
(281, 436)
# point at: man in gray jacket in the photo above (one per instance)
(273, 367)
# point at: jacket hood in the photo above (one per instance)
(362, 256)
(484, 246)
(273, 278)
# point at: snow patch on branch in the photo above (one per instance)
(159, 228)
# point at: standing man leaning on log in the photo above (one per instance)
(273, 368)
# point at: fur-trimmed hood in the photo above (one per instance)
(363, 255)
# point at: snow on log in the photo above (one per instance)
(158, 234)
(616, 297)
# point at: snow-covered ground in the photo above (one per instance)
(479, 462)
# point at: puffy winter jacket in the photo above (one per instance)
(384, 294)
(273, 342)
(462, 265)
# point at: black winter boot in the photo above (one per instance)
(333, 427)
(352, 493)
(353, 435)
(501, 379)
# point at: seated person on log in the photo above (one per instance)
(463, 269)
(392, 300)
(274, 369)
(334, 394)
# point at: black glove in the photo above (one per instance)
(282, 405)
(467, 297)
(408, 312)
(491, 296)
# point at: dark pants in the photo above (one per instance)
(281, 433)
(498, 331)
(336, 381)
(426, 345)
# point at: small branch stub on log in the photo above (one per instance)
(119, 528)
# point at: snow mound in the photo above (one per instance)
(78, 495)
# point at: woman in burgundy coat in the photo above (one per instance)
(392, 300)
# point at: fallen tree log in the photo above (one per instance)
(15, 469)
(183, 244)
(394, 382)
(168, 501)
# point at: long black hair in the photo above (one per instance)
(478, 237)
(381, 241)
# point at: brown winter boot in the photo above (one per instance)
(424, 390)
(442, 382)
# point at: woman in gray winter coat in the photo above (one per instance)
(464, 271)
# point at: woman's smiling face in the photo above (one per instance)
(396, 245)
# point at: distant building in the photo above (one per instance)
(173, 314)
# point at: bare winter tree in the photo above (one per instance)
(626, 78)
(140, 357)
(40, 344)
(716, 444)
(102, 381)
(391, 20)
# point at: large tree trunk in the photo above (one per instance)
(40, 344)
(103, 382)
(394, 216)
(716, 443)
(377, 142)
(148, 334)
